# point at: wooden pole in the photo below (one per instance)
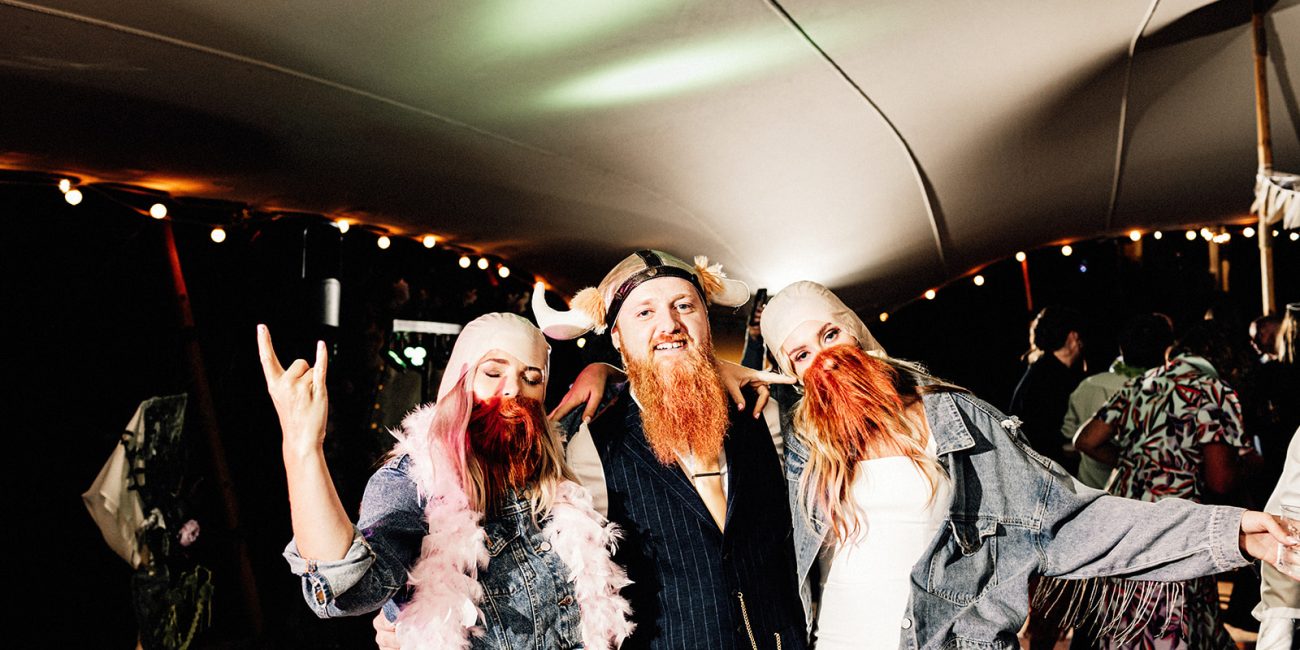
(1264, 146)
(207, 420)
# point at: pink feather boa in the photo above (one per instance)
(444, 611)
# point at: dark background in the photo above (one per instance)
(91, 317)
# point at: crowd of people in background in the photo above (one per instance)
(1188, 414)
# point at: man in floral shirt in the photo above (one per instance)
(1174, 431)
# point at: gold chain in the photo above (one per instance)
(744, 613)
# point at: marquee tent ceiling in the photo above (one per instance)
(881, 147)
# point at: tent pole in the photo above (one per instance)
(207, 421)
(1264, 145)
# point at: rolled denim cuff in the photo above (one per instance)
(324, 581)
(1225, 538)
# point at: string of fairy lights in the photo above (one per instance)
(1216, 234)
(74, 193)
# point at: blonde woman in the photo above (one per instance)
(926, 513)
(474, 535)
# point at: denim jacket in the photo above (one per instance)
(527, 601)
(1015, 515)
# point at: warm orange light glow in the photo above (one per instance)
(64, 185)
(930, 294)
(884, 316)
(343, 225)
(1135, 235)
(430, 241)
(158, 211)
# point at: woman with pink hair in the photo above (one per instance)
(474, 534)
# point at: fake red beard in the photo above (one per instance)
(683, 403)
(506, 435)
(850, 402)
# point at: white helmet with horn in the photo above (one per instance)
(596, 308)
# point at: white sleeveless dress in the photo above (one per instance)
(867, 581)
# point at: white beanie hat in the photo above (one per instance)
(506, 332)
(806, 301)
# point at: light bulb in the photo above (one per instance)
(384, 242)
(64, 185)
(979, 280)
(1134, 235)
(930, 294)
(1191, 235)
(504, 271)
(464, 261)
(482, 263)
(73, 196)
(1020, 257)
(884, 316)
(1157, 235)
(582, 342)
(1248, 232)
(1294, 236)
(1067, 250)
(218, 234)
(430, 241)
(343, 225)
(158, 211)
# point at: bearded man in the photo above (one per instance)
(474, 534)
(695, 486)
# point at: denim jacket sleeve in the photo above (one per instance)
(385, 544)
(1088, 534)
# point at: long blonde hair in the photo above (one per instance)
(826, 484)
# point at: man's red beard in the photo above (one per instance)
(851, 403)
(506, 435)
(683, 404)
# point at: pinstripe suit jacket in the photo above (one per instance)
(694, 586)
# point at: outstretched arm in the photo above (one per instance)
(736, 377)
(587, 391)
(588, 388)
(321, 526)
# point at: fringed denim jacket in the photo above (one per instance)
(1015, 515)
